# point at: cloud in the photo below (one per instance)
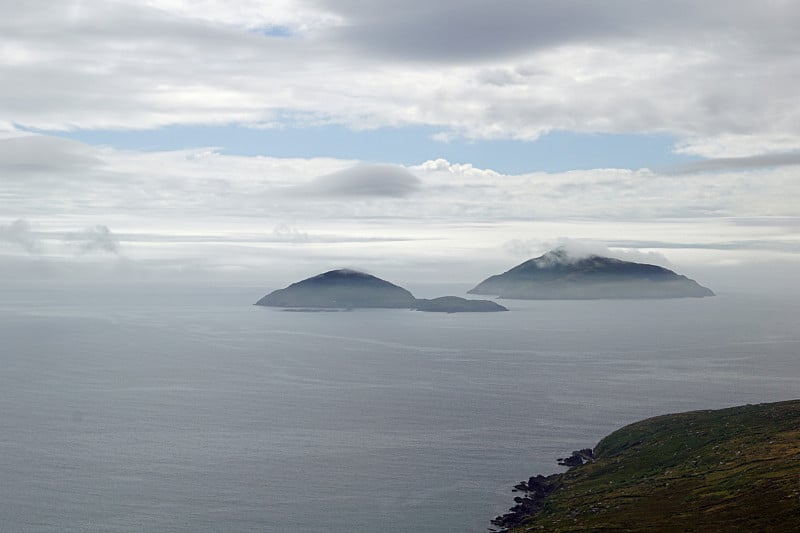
(96, 239)
(738, 163)
(474, 30)
(25, 156)
(170, 209)
(20, 233)
(580, 248)
(463, 169)
(478, 30)
(176, 185)
(362, 181)
(720, 76)
(284, 232)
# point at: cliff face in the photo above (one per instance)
(556, 275)
(341, 289)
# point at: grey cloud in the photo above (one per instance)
(20, 233)
(461, 30)
(362, 181)
(757, 245)
(457, 30)
(737, 163)
(96, 239)
(281, 234)
(284, 232)
(38, 154)
(774, 222)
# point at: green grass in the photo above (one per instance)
(734, 469)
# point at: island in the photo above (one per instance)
(734, 469)
(557, 275)
(455, 304)
(341, 289)
(350, 289)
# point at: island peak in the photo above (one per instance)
(558, 275)
(341, 289)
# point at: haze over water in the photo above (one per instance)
(187, 408)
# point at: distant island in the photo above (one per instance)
(734, 469)
(350, 289)
(558, 276)
(454, 304)
(343, 289)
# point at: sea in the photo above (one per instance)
(186, 408)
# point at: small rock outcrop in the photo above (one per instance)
(455, 304)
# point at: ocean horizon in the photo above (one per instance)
(183, 408)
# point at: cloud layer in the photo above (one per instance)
(209, 212)
(718, 75)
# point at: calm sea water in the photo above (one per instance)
(188, 409)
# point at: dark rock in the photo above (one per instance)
(578, 458)
(536, 489)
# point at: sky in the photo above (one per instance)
(260, 142)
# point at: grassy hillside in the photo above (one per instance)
(734, 469)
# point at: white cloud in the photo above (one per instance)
(580, 248)
(463, 169)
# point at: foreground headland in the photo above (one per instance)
(735, 469)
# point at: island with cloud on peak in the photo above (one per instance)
(559, 275)
(350, 289)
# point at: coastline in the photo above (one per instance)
(717, 470)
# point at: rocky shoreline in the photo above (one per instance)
(535, 492)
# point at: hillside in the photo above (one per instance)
(735, 469)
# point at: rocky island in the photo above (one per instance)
(350, 289)
(734, 469)
(558, 276)
(455, 304)
(341, 289)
